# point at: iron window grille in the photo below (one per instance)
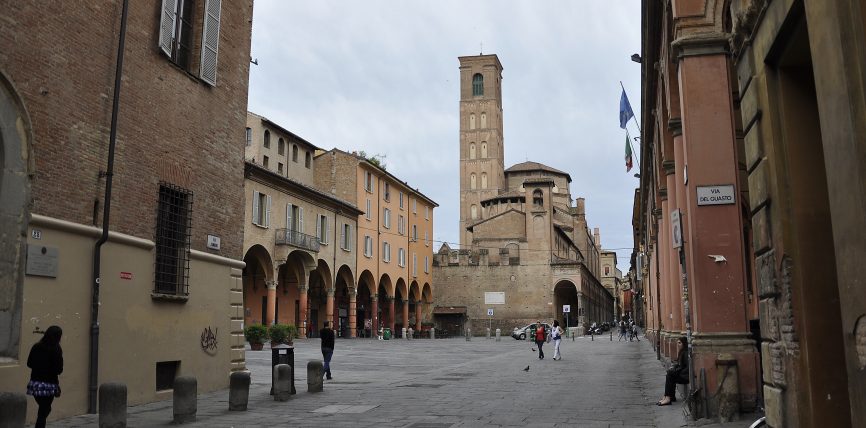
(173, 234)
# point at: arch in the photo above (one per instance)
(427, 293)
(472, 121)
(565, 293)
(483, 149)
(483, 180)
(365, 304)
(303, 264)
(477, 85)
(16, 170)
(471, 150)
(344, 287)
(256, 275)
(401, 289)
(472, 181)
(385, 297)
(483, 120)
(366, 281)
(473, 212)
(386, 286)
(414, 291)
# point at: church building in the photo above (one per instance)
(526, 252)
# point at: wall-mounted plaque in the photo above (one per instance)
(41, 261)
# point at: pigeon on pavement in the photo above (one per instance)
(526, 369)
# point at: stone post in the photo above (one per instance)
(315, 371)
(239, 391)
(468, 334)
(403, 332)
(112, 405)
(488, 332)
(13, 407)
(409, 333)
(729, 389)
(432, 332)
(185, 399)
(498, 335)
(283, 382)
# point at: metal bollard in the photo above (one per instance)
(498, 335)
(112, 405)
(315, 371)
(239, 391)
(13, 407)
(185, 399)
(283, 382)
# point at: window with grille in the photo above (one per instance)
(477, 84)
(173, 230)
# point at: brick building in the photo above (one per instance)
(170, 270)
(526, 250)
(753, 133)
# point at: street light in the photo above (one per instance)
(636, 58)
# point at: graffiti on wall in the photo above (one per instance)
(209, 340)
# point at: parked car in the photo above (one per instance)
(520, 333)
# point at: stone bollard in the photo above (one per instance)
(729, 390)
(185, 399)
(112, 405)
(411, 332)
(498, 335)
(432, 332)
(488, 332)
(13, 407)
(283, 382)
(315, 371)
(239, 391)
(403, 332)
(468, 334)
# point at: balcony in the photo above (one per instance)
(297, 239)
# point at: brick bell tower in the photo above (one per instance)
(482, 151)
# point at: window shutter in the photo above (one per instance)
(268, 213)
(289, 216)
(349, 237)
(166, 25)
(327, 230)
(319, 229)
(210, 41)
(343, 243)
(256, 201)
(301, 219)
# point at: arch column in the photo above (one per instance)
(391, 312)
(271, 310)
(406, 313)
(418, 314)
(302, 307)
(329, 308)
(374, 307)
(581, 305)
(353, 323)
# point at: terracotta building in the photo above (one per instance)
(753, 134)
(526, 250)
(166, 282)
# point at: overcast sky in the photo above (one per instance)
(382, 76)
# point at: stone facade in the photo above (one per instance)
(522, 238)
(786, 82)
(179, 157)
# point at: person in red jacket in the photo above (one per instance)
(46, 362)
(540, 336)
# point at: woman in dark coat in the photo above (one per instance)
(46, 362)
(678, 373)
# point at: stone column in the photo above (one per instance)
(391, 313)
(581, 318)
(329, 308)
(418, 315)
(353, 313)
(271, 310)
(664, 253)
(374, 307)
(678, 199)
(405, 313)
(716, 289)
(302, 307)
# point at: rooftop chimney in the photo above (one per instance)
(597, 237)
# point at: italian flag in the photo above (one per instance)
(628, 160)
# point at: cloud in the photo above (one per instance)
(382, 76)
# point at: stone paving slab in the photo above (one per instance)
(446, 383)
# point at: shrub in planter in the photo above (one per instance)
(256, 335)
(282, 333)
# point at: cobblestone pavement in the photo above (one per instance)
(443, 383)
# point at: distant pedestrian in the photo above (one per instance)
(622, 331)
(540, 337)
(46, 363)
(678, 373)
(634, 331)
(556, 334)
(327, 335)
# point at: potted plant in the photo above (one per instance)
(282, 334)
(256, 335)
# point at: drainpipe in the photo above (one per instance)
(112, 142)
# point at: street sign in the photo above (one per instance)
(566, 309)
(490, 312)
(676, 229)
(716, 195)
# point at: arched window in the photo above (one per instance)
(472, 121)
(281, 147)
(477, 84)
(483, 180)
(472, 181)
(294, 153)
(483, 120)
(267, 139)
(307, 160)
(483, 149)
(471, 150)
(473, 212)
(537, 198)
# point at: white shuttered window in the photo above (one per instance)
(210, 41)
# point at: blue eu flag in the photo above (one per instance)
(625, 112)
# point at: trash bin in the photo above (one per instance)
(387, 334)
(283, 354)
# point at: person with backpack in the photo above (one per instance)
(540, 337)
(556, 334)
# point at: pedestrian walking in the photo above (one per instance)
(46, 363)
(622, 331)
(540, 337)
(556, 334)
(327, 335)
(634, 331)
(678, 373)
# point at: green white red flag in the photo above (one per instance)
(628, 159)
